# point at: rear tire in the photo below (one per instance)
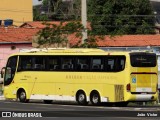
(95, 98)
(22, 96)
(81, 98)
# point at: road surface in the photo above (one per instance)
(68, 111)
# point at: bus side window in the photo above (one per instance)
(111, 64)
(108, 67)
(54, 63)
(97, 64)
(115, 63)
(38, 63)
(24, 63)
(67, 63)
(120, 63)
(82, 64)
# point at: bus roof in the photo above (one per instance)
(71, 51)
(62, 50)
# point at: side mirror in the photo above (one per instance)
(2, 72)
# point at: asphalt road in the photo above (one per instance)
(71, 111)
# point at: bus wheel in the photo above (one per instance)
(95, 98)
(47, 101)
(81, 98)
(22, 96)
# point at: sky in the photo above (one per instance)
(35, 2)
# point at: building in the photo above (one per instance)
(18, 10)
(12, 40)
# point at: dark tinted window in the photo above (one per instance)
(83, 63)
(38, 63)
(31, 63)
(115, 63)
(10, 70)
(54, 63)
(72, 63)
(67, 63)
(25, 63)
(97, 63)
(143, 59)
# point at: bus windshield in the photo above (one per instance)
(143, 59)
(10, 70)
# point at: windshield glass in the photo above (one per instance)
(143, 59)
(10, 70)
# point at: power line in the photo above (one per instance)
(112, 15)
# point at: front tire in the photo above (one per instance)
(22, 96)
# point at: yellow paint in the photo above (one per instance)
(18, 10)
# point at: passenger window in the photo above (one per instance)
(67, 63)
(83, 63)
(53, 63)
(38, 63)
(115, 63)
(120, 63)
(25, 63)
(111, 64)
(97, 64)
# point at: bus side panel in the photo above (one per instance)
(11, 90)
(109, 92)
(42, 85)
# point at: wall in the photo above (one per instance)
(6, 51)
(18, 10)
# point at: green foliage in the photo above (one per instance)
(63, 10)
(54, 34)
(45, 2)
(91, 42)
(37, 16)
(57, 35)
(118, 17)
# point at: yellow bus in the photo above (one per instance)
(82, 75)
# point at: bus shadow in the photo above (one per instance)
(134, 104)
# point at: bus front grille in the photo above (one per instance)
(119, 93)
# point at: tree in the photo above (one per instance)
(112, 17)
(37, 16)
(57, 35)
(63, 10)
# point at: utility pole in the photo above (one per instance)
(84, 19)
(49, 6)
